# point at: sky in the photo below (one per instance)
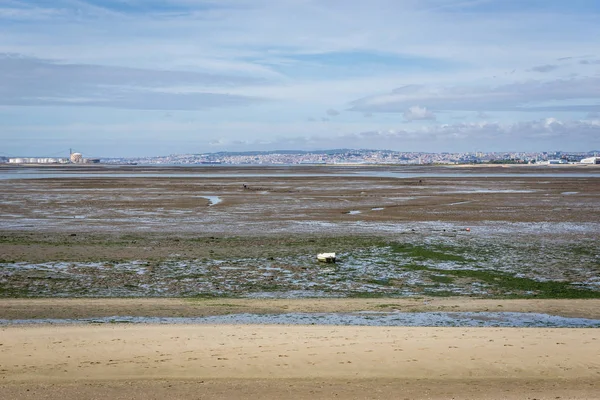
(117, 78)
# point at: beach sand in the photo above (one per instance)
(242, 361)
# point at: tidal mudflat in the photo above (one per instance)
(236, 233)
(413, 265)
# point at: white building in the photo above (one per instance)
(34, 160)
(76, 158)
(591, 160)
(553, 162)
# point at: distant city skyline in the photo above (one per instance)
(116, 78)
(66, 156)
(332, 156)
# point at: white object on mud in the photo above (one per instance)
(326, 257)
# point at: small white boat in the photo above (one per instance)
(326, 257)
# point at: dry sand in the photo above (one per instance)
(204, 361)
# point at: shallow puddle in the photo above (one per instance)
(214, 200)
(366, 318)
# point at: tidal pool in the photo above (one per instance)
(214, 200)
(365, 318)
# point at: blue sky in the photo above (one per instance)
(155, 77)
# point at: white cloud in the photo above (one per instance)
(483, 55)
(34, 82)
(229, 29)
(416, 113)
(141, 138)
(486, 132)
(519, 96)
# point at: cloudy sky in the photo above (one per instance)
(155, 77)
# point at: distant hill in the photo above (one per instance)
(262, 153)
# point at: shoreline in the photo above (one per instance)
(78, 308)
(308, 165)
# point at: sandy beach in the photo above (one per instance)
(146, 361)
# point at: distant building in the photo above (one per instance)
(35, 160)
(76, 158)
(591, 160)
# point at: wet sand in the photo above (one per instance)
(95, 308)
(298, 362)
